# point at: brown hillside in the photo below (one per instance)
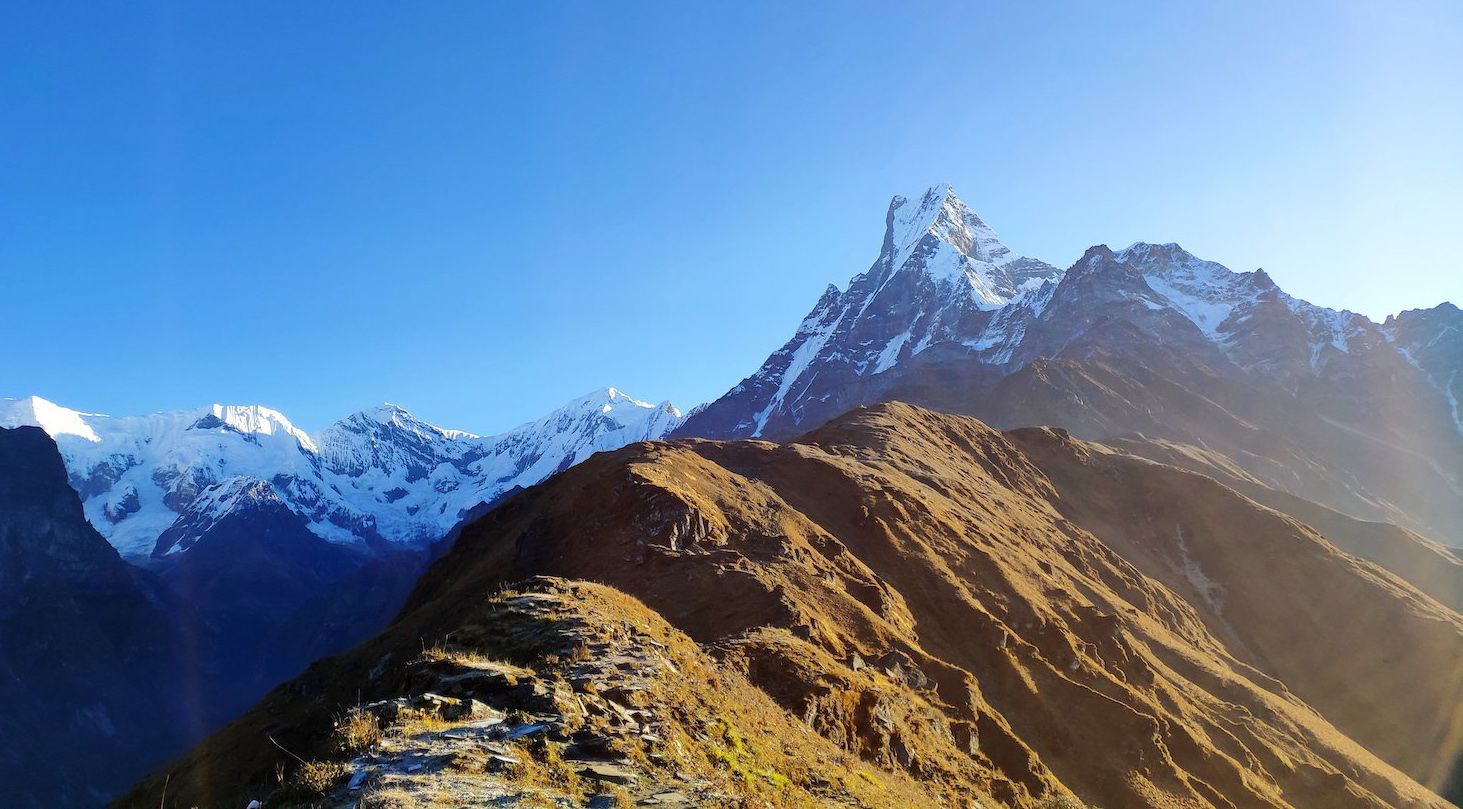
(1005, 617)
(1430, 566)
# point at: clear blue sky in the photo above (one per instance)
(480, 210)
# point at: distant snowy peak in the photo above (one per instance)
(1432, 341)
(135, 474)
(251, 420)
(415, 480)
(247, 419)
(393, 415)
(1232, 308)
(33, 411)
(939, 213)
(601, 420)
(61, 421)
(389, 439)
(620, 411)
(152, 484)
(943, 239)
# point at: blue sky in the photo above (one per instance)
(480, 210)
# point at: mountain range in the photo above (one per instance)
(1142, 531)
(153, 484)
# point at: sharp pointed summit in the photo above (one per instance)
(941, 214)
(939, 236)
(940, 277)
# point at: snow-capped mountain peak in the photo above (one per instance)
(1223, 303)
(604, 399)
(395, 415)
(605, 418)
(940, 213)
(53, 418)
(946, 293)
(251, 420)
(939, 236)
(1203, 291)
(614, 400)
(942, 274)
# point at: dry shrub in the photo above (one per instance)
(423, 722)
(468, 658)
(317, 777)
(560, 773)
(359, 730)
(542, 768)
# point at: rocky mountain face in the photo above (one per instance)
(1432, 340)
(1147, 341)
(88, 661)
(912, 600)
(378, 478)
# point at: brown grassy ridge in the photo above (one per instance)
(721, 728)
(1022, 616)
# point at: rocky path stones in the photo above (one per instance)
(481, 731)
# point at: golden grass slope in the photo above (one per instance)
(1020, 617)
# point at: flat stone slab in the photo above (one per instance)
(670, 797)
(608, 773)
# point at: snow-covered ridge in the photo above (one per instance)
(57, 421)
(212, 505)
(1220, 301)
(380, 474)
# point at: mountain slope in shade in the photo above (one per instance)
(247, 566)
(107, 669)
(1150, 340)
(86, 655)
(378, 477)
(1008, 618)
